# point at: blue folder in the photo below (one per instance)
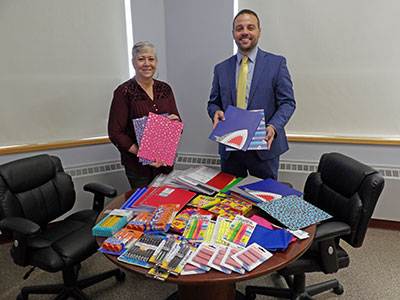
(238, 128)
(272, 240)
(271, 186)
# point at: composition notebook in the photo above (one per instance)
(160, 139)
(238, 128)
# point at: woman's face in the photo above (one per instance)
(145, 64)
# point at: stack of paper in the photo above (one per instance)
(204, 179)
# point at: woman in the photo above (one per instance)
(134, 99)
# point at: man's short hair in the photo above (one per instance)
(246, 11)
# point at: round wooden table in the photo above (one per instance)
(214, 285)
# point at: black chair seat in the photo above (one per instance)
(310, 262)
(348, 190)
(34, 191)
(66, 244)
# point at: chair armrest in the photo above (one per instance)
(19, 226)
(331, 230)
(100, 191)
(100, 188)
(327, 237)
(22, 231)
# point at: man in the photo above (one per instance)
(268, 86)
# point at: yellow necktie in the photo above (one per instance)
(242, 82)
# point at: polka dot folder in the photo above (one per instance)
(160, 139)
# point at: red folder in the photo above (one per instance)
(221, 180)
(168, 195)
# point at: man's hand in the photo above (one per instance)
(270, 135)
(218, 116)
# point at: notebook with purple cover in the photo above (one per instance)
(238, 128)
(160, 139)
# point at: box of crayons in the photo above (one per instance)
(112, 223)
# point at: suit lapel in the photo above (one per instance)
(258, 70)
(231, 75)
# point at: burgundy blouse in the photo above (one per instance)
(130, 101)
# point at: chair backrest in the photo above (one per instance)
(348, 190)
(35, 188)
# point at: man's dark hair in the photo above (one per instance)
(246, 11)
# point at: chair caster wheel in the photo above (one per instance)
(120, 276)
(338, 290)
(251, 297)
(22, 296)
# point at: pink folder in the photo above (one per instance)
(160, 139)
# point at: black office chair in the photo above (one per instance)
(33, 192)
(349, 191)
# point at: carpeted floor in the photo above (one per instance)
(373, 274)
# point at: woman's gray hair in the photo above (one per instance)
(141, 47)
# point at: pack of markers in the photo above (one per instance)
(240, 231)
(197, 228)
(120, 241)
(154, 222)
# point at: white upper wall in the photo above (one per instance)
(198, 35)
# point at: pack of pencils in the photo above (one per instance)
(111, 224)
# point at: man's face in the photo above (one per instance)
(246, 33)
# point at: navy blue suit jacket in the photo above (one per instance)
(271, 89)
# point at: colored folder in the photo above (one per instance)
(272, 240)
(271, 186)
(160, 139)
(258, 141)
(238, 128)
(294, 212)
(168, 195)
(139, 125)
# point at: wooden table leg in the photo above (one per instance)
(220, 291)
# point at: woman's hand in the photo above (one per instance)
(158, 163)
(173, 117)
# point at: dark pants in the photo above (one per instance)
(137, 180)
(241, 162)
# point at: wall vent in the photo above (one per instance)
(192, 160)
(89, 170)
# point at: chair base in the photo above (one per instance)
(71, 286)
(297, 289)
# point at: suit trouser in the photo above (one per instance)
(240, 163)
